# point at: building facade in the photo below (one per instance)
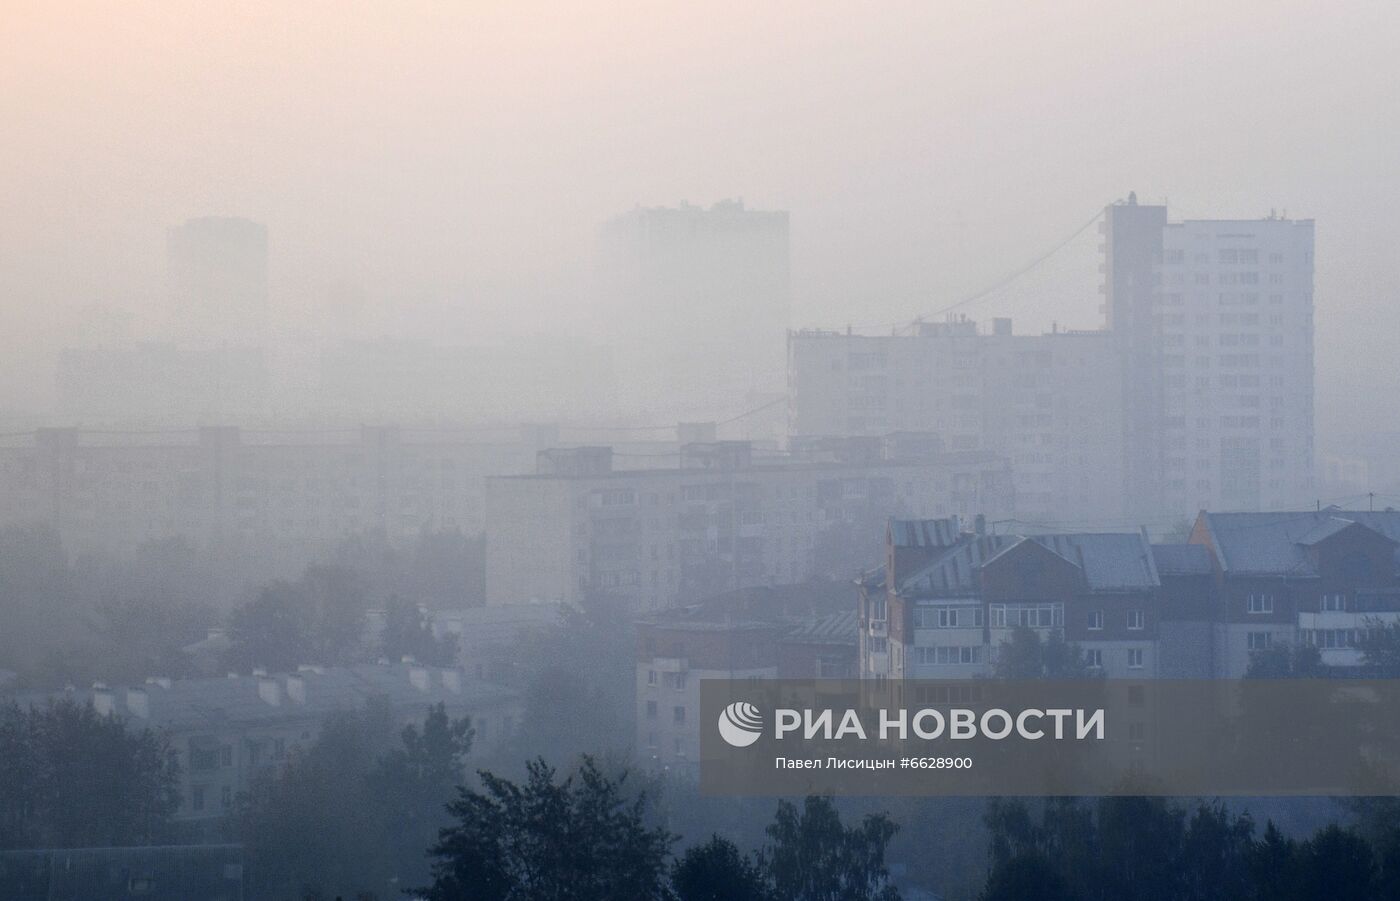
(1198, 394)
(726, 518)
(225, 731)
(1042, 401)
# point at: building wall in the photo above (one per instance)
(1235, 307)
(656, 538)
(1042, 401)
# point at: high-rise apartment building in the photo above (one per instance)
(1197, 394)
(1042, 401)
(1215, 323)
(698, 300)
(218, 281)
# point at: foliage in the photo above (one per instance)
(718, 871)
(1282, 661)
(409, 632)
(813, 857)
(71, 778)
(356, 809)
(317, 619)
(1027, 656)
(576, 839)
(1148, 848)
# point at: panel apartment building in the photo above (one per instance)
(725, 518)
(946, 599)
(1197, 395)
(1042, 401)
(267, 498)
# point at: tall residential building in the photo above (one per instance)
(725, 518)
(698, 300)
(218, 282)
(1042, 401)
(1215, 323)
(1197, 394)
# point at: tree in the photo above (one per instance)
(813, 857)
(317, 619)
(1380, 649)
(577, 839)
(71, 778)
(409, 632)
(1027, 656)
(1283, 661)
(1027, 875)
(1336, 864)
(354, 811)
(1215, 855)
(718, 871)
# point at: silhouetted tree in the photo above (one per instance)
(811, 856)
(577, 839)
(71, 778)
(1027, 656)
(1284, 661)
(718, 871)
(1025, 876)
(409, 632)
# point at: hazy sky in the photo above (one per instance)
(452, 160)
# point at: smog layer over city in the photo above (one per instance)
(406, 409)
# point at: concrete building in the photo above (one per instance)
(725, 518)
(1042, 401)
(789, 631)
(1215, 323)
(218, 282)
(698, 301)
(227, 730)
(264, 502)
(946, 600)
(1319, 578)
(1197, 395)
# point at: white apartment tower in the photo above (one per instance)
(1215, 324)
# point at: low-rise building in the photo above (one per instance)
(227, 730)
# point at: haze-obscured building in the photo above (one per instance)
(582, 528)
(1198, 394)
(219, 282)
(1042, 401)
(698, 300)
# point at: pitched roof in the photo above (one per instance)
(1181, 559)
(954, 572)
(1112, 561)
(929, 533)
(836, 628)
(1275, 544)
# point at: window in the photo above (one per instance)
(945, 617)
(1334, 602)
(949, 655)
(1095, 619)
(651, 677)
(1258, 641)
(651, 710)
(1137, 731)
(1136, 619)
(1094, 659)
(1034, 616)
(1134, 658)
(674, 680)
(226, 755)
(678, 715)
(1261, 603)
(226, 797)
(197, 797)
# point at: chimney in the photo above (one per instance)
(138, 702)
(418, 675)
(102, 700)
(452, 680)
(296, 689)
(269, 691)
